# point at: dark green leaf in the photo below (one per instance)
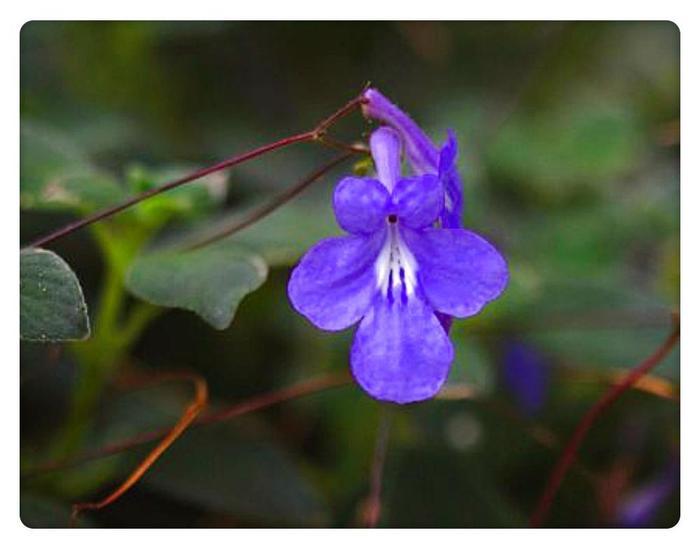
(52, 307)
(248, 476)
(462, 489)
(209, 281)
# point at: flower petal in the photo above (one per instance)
(401, 352)
(385, 145)
(458, 270)
(360, 204)
(418, 201)
(334, 283)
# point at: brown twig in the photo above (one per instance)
(315, 134)
(267, 208)
(188, 416)
(356, 148)
(253, 404)
(303, 388)
(568, 455)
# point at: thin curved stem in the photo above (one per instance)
(315, 134)
(308, 387)
(568, 455)
(188, 416)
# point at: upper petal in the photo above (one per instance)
(458, 270)
(418, 200)
(360, 204)
(385, 145)
(401, 352)
(334, 283)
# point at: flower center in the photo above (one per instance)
(395, 267)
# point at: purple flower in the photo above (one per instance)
(641, 506)
(423, 156)
(392, 274)
(526, 374)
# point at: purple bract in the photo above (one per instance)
(401, 270)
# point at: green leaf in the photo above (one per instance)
(51, 305)
(209, 281)
(245, 475)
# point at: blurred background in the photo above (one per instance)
(569, 151)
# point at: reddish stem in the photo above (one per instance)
(188, 416)
(254, 404)
(316, 134)
(568, 455)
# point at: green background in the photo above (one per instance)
(569, 150)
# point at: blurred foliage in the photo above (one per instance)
(569, 149)
(265, 484)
